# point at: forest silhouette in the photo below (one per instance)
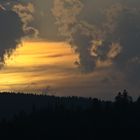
(51, 116)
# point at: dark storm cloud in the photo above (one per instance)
(109, 32)
(78, 33)
(15, 17)
(11, 32)
(123, 28)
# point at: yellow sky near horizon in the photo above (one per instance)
(36, 62)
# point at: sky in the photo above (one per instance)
(84, 48)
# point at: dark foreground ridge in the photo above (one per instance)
(36, 115)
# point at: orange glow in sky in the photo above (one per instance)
(37, 64)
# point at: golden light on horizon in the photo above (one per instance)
(33, 62)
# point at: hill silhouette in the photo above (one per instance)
(76, 117)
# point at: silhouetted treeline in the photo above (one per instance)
(79, 117)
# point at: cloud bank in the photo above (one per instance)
(103, 33)
(110, 36)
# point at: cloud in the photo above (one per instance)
(44, 21)
(25, 12)
(123, 28)
(102, 33)
(15, 22)
(11, 32)
(108, 33)
(78, 33)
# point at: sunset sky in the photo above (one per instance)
(70, 47)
